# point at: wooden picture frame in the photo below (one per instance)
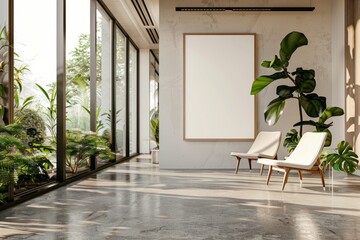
(219, 69)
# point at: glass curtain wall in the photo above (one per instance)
(154, 102)
(77, 86)
(120, 93)
(28, 138)
(133, 99)
(4, 60)
(34, 93)
(104, 78)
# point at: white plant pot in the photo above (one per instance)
(155, 156)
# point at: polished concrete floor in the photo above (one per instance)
(136, 200)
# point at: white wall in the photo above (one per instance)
(270, 28)
(144, 86)
(338, 66)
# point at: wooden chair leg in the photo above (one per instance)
(322, 178)
(237, 165)
(269, 175)
(262, 169)
(286, 176)
(300, 176)
(249, 160)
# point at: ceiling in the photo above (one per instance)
(139, 18)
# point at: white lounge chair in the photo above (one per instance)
(265, 145)
(303, 158)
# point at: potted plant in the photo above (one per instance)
(154, 128)
(302, 88)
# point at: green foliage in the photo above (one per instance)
(320, 125)
(154, 126)
(78, 65)
(83, 145)
(263, 81)
(313, 104)
(292, 139)
(32, 122)
(99, 124)
(302, 89)
(289, 44)
(19, 71)
(4, 45)
(342, 159)
(50, 111)
(18, 164)
(274, 110)
(303, 82)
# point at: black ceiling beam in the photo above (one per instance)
(244, 9)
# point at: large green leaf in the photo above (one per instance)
(320, 127)
(274, 110)
(305, 74)
(330, 112)
(313, 104)
(308, 123)
(284, 91)
(328, 139)
(276, 64)
(305, 85)
(2, 89)
(343, 159)
(289, 44)
(305, 80)
(292, 139)
(261, 82)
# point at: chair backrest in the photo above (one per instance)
(308, 149)
(266, 144)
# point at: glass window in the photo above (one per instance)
(103, 78)
(133, 99)
(3, 58)
(35, 91)
(4, 180)
(154, 102)
(79, 139)
(120, 95)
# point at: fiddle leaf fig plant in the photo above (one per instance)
(301, 88)
(302, 81)
(320, 125)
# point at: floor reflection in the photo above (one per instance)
(136, 200)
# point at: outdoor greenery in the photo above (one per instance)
(4, 44)
(154, 126)
(18, 163)
(301, 89)
(83, 145)
(27, 145)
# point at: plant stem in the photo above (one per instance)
(299, 103)
(289, 76)
(301, 116)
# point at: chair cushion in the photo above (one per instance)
(280, 163)
(245, 155)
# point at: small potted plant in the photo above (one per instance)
(154, 127)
